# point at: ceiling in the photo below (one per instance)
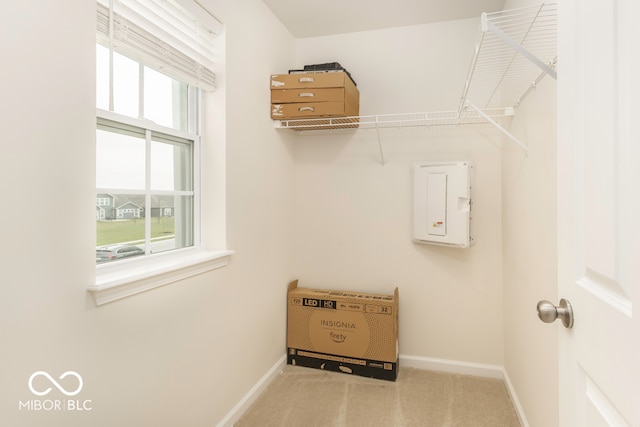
(313, 18)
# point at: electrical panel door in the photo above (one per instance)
(442, 203)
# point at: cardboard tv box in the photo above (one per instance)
(342, 331)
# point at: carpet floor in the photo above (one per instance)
(314, 398)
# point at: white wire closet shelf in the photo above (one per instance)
(515, 49)
(438, 118)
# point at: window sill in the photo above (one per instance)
(118, 281)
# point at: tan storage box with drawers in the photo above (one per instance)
(313, 95)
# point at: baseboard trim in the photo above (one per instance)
(451, 366)
(516, 401)
(241, 407)
(406, 361)
(467, 368)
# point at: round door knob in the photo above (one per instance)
(548, 313)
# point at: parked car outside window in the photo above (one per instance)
(111, 253)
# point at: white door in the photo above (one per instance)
(599, 211)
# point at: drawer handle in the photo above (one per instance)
(306, 95)
(306, 80)
(306, 109)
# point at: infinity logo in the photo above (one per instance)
(55, 383)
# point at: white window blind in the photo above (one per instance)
(175, 36)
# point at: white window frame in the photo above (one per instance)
(110, 119)
(131, 276)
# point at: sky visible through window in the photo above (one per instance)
(119, 157)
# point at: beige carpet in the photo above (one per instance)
(314, 398)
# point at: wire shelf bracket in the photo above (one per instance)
(490, 26)
(515, 49)
(499, 126)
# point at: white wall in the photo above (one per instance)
(529, 248)
(529, 242)
(353, 216)
(183, 354)
(319, 208)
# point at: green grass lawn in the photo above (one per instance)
(111, 232)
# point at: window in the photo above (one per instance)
(153, 60)
(145, 175)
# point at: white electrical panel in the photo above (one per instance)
(442, 203)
